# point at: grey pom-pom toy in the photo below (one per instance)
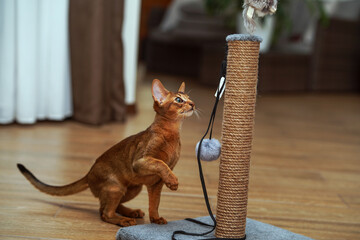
(210, 149)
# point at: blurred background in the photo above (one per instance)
(81, 59)
(75, 79)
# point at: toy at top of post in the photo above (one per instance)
(259, 7)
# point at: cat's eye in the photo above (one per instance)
(178, 100)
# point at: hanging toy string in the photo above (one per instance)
(219, 91)
(218, 94)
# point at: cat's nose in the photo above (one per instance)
(192, 105)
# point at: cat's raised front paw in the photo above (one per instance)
(172, 182)
(159, 220)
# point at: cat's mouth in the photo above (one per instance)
(188, 113)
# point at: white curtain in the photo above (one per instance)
(130, 36)
(34, 61)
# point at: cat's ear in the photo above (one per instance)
(159, 92)
(182, 88)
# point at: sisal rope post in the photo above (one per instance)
(237, 132)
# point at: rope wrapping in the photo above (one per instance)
(237, 132)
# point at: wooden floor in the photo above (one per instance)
(305, 168)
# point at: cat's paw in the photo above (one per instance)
(136, 214)
(172, 182)
(126, 222)
(159, 220)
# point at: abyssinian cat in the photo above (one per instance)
(146, 158)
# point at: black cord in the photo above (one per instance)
(219, 91)
(202, 180)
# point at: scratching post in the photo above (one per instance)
(237, 131)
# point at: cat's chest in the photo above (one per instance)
(169, 152)
(174, 155)
(164, 147)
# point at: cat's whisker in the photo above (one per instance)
(199, 111)
(196, 112)
(188, 93)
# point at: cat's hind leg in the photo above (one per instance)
(132, 191)
(128, 212)
(110, 197)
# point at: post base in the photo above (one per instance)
(255, 230)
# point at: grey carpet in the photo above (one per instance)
(255, 230)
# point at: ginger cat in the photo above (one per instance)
(146, 158)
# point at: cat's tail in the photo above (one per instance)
(65, 190)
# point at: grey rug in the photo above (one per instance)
(255, 230)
